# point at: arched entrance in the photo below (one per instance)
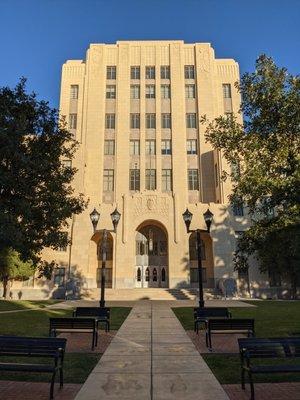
(105, 245)
(151, 266)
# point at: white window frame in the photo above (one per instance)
(165, 72)
(166, 122)
(193, 179)
(110, 121)
(166, 147)
(191, 120)
(108, 180)
(166, 180)
(190, 91)
(135, 121)
(189, 72)
(165, 91)
(191, 146)
(150, 147)
(74, 90)
(109, 147)
(150, 121)
(111, 72)
(110, 91)
(150, 92)
(135, 91)
(134, 147)
(150, 72)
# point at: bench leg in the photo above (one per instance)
(243, 378)
(209, 338)
(52, 385)
(61, 377)
(96, 338)
(251, 385)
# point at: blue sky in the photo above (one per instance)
(37, 36)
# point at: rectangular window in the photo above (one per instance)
(165, 91)
(193, 182)
(150, 91)
(191, 146)
(238, 209)
(109, 147)
(150, 147)
(134, 148)
(134, 179)
(227, 91)
(59, 276)
(166, 121)
(150, 72)
(110, 121)
(165, 72)
(150, 179)
(108, 180)
(135, 72)
(189, 72)
(150, 121)
(166, 147)
(110, 91)
(135, 91)
(111, 72)
(73, 121)
(191, 120)
(74, 92)
(135, 121)
(166, 181)
(190, 91)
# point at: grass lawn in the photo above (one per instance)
(272, 319)
(77, 366)
(11, 305)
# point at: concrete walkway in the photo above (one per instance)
(151, 358)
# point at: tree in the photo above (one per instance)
(36, 196)
(13, 268)
(264, 155)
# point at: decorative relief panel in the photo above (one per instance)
(151, 204)
(203, 60)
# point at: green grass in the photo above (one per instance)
(11, 305)
(77, 367)
(272, 319)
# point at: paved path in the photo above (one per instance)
(151, 358)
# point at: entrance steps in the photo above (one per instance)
(148, 294)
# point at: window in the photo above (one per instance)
(67, 163)
(134, 179)
(166, 181)
(189, 72)
(193, 249)
(150, 72)
(74, 92)
(59, 276)
(238, 209)
(111, 72)
(108, 180)
(190, 91)
(163, 275)
(147, 275)
(135, 121)
(73, 121)
(139, 275)
(110, 91)
(191, 120)
(193, 183)
(134, 147)
(109, 147)
(110, 121)
(150, 91)
(227, 91)
(150, 179)
(135, 91)
(165, 91)
(150, 147)
(154, 275)
(195, 275)
(166, 147)
(135, 72)
(166, 121)
(150, 121)
(165, 72)
(191, 146)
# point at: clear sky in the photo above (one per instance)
(37, 36)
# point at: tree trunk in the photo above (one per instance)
(5, 287)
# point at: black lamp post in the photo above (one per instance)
(187, 217)
(115, 217)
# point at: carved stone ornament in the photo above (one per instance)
(151, 204)
(204, 60)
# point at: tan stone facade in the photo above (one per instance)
(135, 108)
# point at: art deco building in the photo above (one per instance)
(135, 109)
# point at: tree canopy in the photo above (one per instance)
(264, 154)
(36, 195)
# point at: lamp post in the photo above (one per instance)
(187, 217)
(115, 217)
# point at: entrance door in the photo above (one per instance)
(151, 269)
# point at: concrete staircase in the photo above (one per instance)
(148, 294)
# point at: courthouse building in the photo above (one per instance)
(135, 109)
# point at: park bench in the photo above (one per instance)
(283, 349)
(51, 348)
(228, 325)
(101, 315)
(74, 325)
(202, 314)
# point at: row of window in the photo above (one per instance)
(166, 147)
(135, 72)
(150, 180)
(135, 123)
(111, 92)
